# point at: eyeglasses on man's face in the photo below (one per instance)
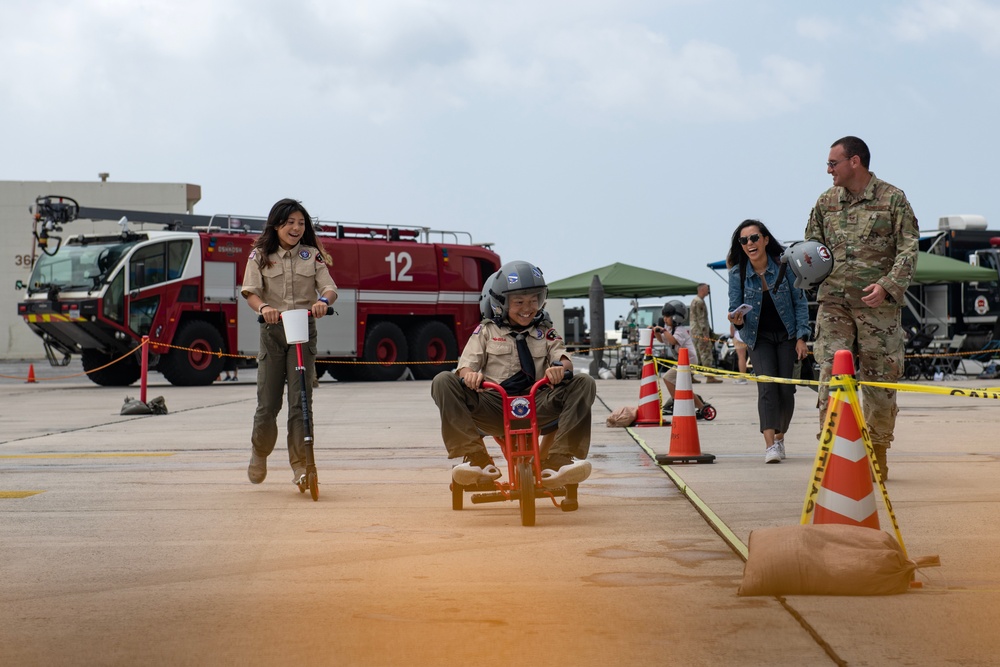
(753, 238)
(830, 164)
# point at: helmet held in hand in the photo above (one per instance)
(810, 261)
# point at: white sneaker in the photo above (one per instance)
(741, 381)
(559, 470)
(772, 454)
(780, 444)
(468, 473)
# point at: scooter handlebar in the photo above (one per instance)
(329, 311)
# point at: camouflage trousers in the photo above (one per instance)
(874, 337)
(703, 346)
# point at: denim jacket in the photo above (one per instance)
(791, 304)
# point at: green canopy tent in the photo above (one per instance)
(622, 281)
(933, 269)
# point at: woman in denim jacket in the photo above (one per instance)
(775, 328)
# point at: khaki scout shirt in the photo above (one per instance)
(291, 279)
(873, 239)
(492, 351)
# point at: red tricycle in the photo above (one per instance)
(521, 447)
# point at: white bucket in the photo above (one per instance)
(645, 337)
(296, 323)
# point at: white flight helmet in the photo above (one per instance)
(810, 261)
(517, 277)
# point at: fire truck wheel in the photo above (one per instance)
(195, 365)
(120, 374)
(432, 341)
(385, 344)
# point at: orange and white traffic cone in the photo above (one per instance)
(846, 494)
(650, 410)
(31, 373)
(685, 446)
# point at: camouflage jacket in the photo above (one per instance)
(873, 239)
(698, 315)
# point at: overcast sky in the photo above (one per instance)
(571, 133)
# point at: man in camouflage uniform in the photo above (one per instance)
(701, 332)
(870, 229)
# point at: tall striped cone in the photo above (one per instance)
(684, 444)
(649, 413)
(846, 494)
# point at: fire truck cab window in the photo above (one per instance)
(114, 298)
(148, 266)
(177, 255)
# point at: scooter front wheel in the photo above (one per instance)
(313, 482)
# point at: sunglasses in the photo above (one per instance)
(753, 238)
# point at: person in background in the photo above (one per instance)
(871, 231)
(701, 331)
(229, 366)
(674, 335)
(286, 270)
(775, 329)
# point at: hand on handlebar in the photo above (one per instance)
(273, 315)
(270, 315)
(555, 374)
(319, 309)
(473, 380)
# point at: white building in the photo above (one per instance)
(19, 248)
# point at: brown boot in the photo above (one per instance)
(883, 463)
(713, 380)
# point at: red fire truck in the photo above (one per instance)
(405, 295)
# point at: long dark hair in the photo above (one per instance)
(268, 242)
(739, 258)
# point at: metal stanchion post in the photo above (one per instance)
(145, 367)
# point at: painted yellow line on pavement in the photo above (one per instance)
(94, 455)
(709, 515)
(18, 494)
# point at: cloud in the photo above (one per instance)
(818, 29)
(977, 20)
(385, 60)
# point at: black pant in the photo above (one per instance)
(774, 355)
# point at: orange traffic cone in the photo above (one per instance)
(846, 494)
(31, 373)
(649, 413)
(684, 444)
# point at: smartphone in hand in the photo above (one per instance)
(742, 309)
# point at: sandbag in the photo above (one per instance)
(134, 406)
(825, 559)
(156, 406)
(622, 417)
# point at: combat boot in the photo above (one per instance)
(883, 462)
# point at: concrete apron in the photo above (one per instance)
(147, 544)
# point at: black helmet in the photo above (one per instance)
(516, 277)
(675, 310)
